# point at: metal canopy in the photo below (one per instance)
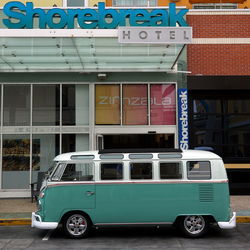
(84, 54)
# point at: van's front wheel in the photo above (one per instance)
(76, 226)
(193, 225)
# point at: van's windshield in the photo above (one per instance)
(51, 169)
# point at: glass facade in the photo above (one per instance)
(222, 123)
(40, 121)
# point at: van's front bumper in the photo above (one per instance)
(228, 224)
(37, 222)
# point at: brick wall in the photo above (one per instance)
(219, 59)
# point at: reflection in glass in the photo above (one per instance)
(46, 102)
(135, 104)
(75, 105)
(238, 106)
(44, 148)
(16, 105)
(207, 106)
(206, 121)
(75, 142)
(16, 161)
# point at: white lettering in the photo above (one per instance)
(103, 100)
(183, 120)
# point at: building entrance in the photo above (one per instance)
(135, 141)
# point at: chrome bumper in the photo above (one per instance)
(37, 222)
(228, 224)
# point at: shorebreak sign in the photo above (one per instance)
(21, 16)
(183, 118)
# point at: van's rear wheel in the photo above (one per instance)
(76, 225)
(193, 225)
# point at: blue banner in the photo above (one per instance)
(183, 119)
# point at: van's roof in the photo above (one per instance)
(186, 154)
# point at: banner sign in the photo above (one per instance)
(176, 35)
(183, 119)
(20, 16)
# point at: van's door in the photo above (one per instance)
(81, 191)
(77, 187)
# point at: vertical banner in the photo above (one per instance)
(183, 118)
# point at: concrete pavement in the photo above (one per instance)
(18, 211)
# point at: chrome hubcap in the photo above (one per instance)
(194, 224)
(76, 224)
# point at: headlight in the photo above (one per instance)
(41, 195)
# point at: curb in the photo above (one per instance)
(15, 222)
(242, 219)
(27, 221)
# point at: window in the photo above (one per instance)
(16, 105)
(170, 170)
(112, 156)
(58, 172)
(215, 6)
(75, 104)
(107, 104)
(75, 3)
(134, 104)
(78, 172)
(140, 170)
(134, 3)
(111, 171)
(220, 121)
(140, 156)
(198, 170)
(46, 111)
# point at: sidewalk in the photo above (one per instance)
(18, 211)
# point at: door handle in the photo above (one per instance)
(89, 193)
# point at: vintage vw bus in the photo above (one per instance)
(135, 187)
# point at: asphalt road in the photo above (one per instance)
(25, 237)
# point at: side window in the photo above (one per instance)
(111, 171)
(170, 170)
(198, 170)
(140, 170)
(78, 172)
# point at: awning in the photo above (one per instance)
(84, 54)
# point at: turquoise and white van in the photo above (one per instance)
(135, 187)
